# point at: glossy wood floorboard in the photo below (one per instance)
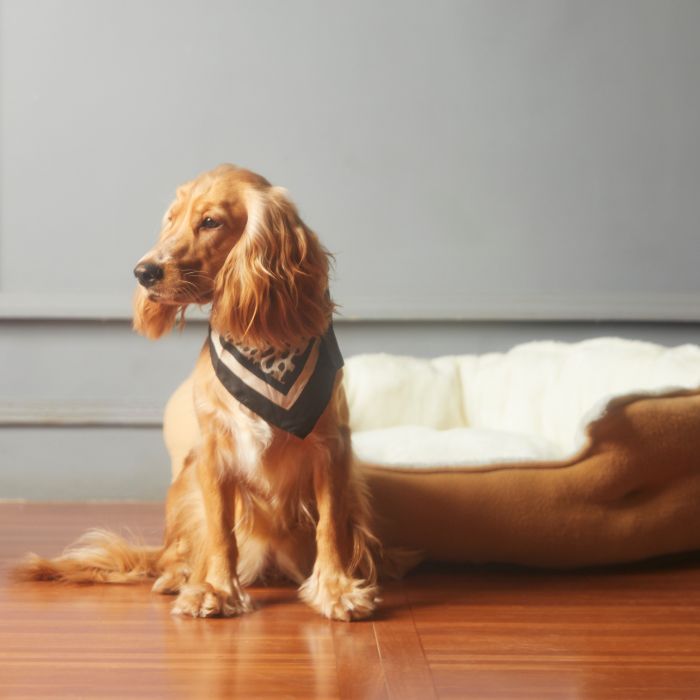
(629, 632)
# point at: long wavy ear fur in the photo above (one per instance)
(273, 286)
(152, 319)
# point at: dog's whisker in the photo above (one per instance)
(192, 285)
(198, 275)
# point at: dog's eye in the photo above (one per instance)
(208, 222)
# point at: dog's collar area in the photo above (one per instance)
(288, 387)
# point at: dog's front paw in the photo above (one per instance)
(203, 600)
(339, 597)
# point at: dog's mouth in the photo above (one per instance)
(165, 297)
(178, 296)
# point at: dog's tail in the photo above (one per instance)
(98, 556)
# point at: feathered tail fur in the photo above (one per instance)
(99, 556)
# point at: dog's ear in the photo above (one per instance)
(152, 319)
(273, 286)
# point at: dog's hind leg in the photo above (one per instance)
(176, 571)
(184, 531)
(293, 555)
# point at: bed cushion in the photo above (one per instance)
(389, 390)
(417, 446)
(546, 389)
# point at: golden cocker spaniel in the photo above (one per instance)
(271, 484)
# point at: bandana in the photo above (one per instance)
(289, 387)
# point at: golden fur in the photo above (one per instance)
(251, 499)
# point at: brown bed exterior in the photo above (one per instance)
(632, 493)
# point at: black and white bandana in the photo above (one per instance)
(289, 387)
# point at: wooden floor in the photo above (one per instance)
(442, 633)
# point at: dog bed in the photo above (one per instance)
(551, 454)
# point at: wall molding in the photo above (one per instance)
(80, 414)
(602, 307)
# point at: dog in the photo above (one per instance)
(271, 487)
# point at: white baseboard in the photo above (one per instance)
(80, 414)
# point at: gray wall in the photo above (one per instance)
(486, 172)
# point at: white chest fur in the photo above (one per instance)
(252, 436)
(241, 437)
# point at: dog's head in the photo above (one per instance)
(232, 239)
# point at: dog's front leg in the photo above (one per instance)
(332, 589)
(214, 588)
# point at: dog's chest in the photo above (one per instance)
(263, 459)
(250, 437)
(274, 468)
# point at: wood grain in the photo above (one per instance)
(445, 632)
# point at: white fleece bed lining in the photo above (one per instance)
(389, 387)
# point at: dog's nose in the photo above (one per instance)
(148, 274)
